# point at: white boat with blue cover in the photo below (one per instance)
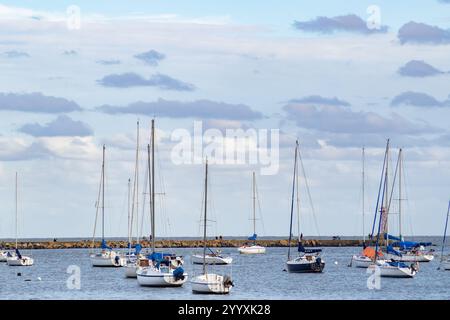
(394, 269)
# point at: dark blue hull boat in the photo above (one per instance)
(312, 267)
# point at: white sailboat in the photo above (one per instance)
(253, 248)
(364, 259)
(17, 259)
(406, 251)
(308, 260)
(389, 268)
(133, 260)
(209, 283)
(106, 257)
(163, 270)
(445, 260)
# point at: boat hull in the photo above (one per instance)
(148, 277)
(22, 262)
(130, 270)
(252, 250)
(294, 266)
(3, 256)
(394, 272)
(211, 284)
(109, 259)
(411, 257)
(210, 259)
(361, 261)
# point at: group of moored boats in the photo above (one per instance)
(391, 255)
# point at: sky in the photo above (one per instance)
(76, 75)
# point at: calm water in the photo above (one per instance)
(255, 277)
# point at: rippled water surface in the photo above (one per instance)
(255, 277)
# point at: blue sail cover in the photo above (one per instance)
(253, 237)
(105, 246)
(391, 237)
(391, 250)
(301, 248)
(405, 245)
(137, 248)
(159, 256)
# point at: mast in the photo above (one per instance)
(363, 193)
(103, 195)
(386, 199)
(400, 163)
(298, 206)
(16, 192)
(254, 206)
(152, 184)
(137, 183)
(129, 217)
(292, 200)
(445, 232)
(204, 218)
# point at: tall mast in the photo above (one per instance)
(363, 193)
(103, 194)
(152, 186)
(400, 163)
(129, 217)
(298, 205)
(16, 211)
(137, 183)
(386, 199)
(292, 199)
(204, 217)
(254, 205)
(445, 232)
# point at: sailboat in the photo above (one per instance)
(364, 259)
(134, 259)
(308, 260)
(106, 257)
(388, 268)
(164, 270)
(17, 259)
(406, 251)
(211, 283)
(254, 248)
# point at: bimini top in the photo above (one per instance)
(410, 244)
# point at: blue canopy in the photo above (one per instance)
(301, 248)
(253, 237)
(397, 264)
(105, 246)
(391, 250)
(137, 249)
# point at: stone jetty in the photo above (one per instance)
(219, 243)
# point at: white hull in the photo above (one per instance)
(107, 259)
(409, 257)
(252, 250)
(130, 270)
(394, 272)
(211, 259)
(151, 277)
(361, 261)
(211, 283)
(3, 256)
(23, 262)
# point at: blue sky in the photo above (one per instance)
(330, 81)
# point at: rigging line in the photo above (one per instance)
(144, 198)
(379, 190)
(445, 232)
(259, 208)
(309, 193)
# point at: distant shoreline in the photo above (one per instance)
(224, 243)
